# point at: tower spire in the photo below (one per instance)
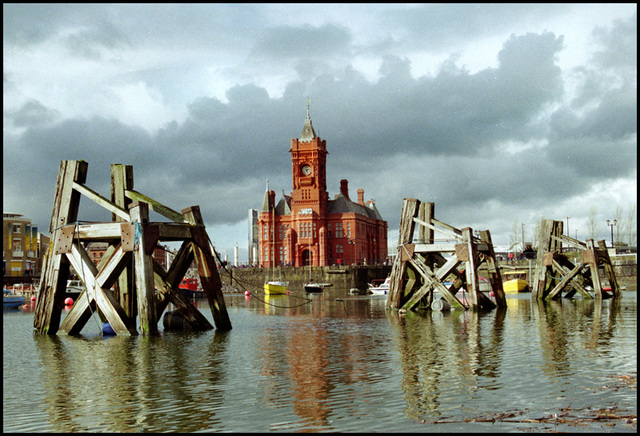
(307, 131)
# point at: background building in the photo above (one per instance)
(307, 228)
(22, 246)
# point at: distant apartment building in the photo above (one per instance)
(22, 246)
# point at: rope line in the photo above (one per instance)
(243, 287)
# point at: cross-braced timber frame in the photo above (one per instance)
(556, 273)
(123, 285)
(421, 268)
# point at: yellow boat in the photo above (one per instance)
(515, 282)
(275, 287)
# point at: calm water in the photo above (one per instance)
(332, 362)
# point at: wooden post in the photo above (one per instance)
(121, 181)
(405, 236)
(470, 269)
(495, 278)
(207, 268)
(55, 273)
(539, 282)
(608, 269)
(143, 260)
(426, 213)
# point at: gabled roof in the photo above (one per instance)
(342, 204)
(284, 205)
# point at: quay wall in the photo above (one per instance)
(343, 277)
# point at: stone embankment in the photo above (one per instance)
(343, 277)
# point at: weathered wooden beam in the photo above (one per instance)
(426, 213)
(471, 272)
(539, 281)
(80, 313)
(434, 248)
(445, 232)
(495, 278)
(143, 264)
(207, 268)
(570, 242)
(562, 284)
(410, 208)
(431, 283)
(609, 271)
(122, 180)
(455, 230)
(95, 290)
(173, 276)
(155, 205)
(99, 199)
(55, 271)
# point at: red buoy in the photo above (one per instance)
(33, 298)
(68, 301)
(247, 293)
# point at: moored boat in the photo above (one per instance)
(515, 282)
(74, 289)
(276, 287)
(381, 289)
(11, 300)
(189, 288)
(314, 287)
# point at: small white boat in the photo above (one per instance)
(382, 289)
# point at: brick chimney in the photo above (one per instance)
(344, 188)
(361, 196)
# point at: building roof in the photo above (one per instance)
(342, 204)
(307, 130)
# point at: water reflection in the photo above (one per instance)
(328, 362)
(446, 355)
(122, 383)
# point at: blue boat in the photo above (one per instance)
(10, 300)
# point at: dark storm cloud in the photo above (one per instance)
(32, 113)
(83, 29)
(452, 113)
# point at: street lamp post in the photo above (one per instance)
(353, 249)
(611, 224)
(568, 234)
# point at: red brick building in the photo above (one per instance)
(307, 228)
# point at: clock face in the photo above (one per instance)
(306, 170)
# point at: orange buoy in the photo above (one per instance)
(68, 301)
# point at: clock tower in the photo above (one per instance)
(306, 227)
(309, 172)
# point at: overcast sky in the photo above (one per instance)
(499, 114)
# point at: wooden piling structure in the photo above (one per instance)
(556, 273)
(128, 282)
(422, 266)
